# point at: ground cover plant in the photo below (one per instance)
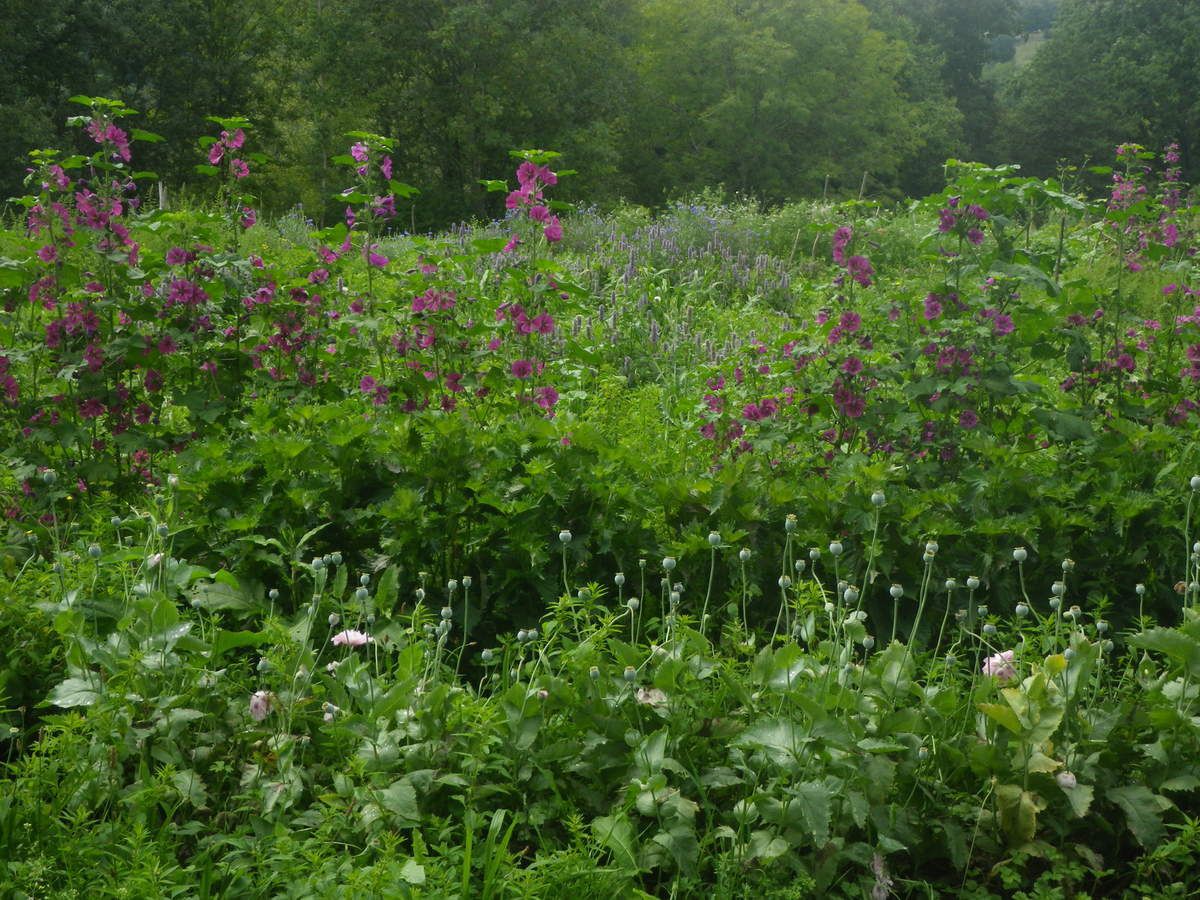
(827, 550)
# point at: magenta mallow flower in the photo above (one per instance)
(522, 368)
(350, 638)
(968, 419)
(553, 230)
(1000, 666)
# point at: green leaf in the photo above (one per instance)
(74, 692)
(224, 641)
(413, 872)
(1174, 644)
(139, 134)
(780, 739)
(400, 799)
(615, 833)
(1143, 812)
(814, 799)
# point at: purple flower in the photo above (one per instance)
(521, 368)
(968, 419)
(553, 231)
(1002, 324)
(860, 270)
(841, 238)
(358, 152)
(933, 307)
(975, 236)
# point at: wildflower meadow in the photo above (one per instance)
(827, 549)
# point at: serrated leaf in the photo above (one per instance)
(400, 799)
(814, 799)
(1143, 812)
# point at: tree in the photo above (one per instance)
(1111, 71)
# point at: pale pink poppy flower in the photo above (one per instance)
(350, 638)
(1000, 666)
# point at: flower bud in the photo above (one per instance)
(488, 655)
(1106, 646)
(1068, 565)
(896, 591)
(564, 536)
(668, 563)
(714, 539)
(420, 594)
(744, 554)
(364, 579)
(790, 523)
(850, 595)
(522, 635)
(594, 672)
(49, 477)
(633, 603)
(318, 563)
(115, 521)
(673, 598)
(1101, 626)
(336, 557)
(1055, 603)
(273, 593)
(1140, 590)
(94, 551)
(951, 584)
(630, 674)
(172, 481)
(447, 613)
(814, 554)
(800, 566)
(931, 547)
(619, 579)
(981, 610)
(989, 629)
(878, 499)
(361, 594)
(162, 531)
(1020, 554)
(973, 582)
(868, 643)
(835, 548)
(1195, 482)
(785, 582)
(334, 618)
(467, 581)
(543, 694)
(1058, 589)
(451, 586)
(1022, 610)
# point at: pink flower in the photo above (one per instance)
(1000, 666)
(359, 152)
(539, 213)
(177, 256)
(553, 231)
(233, 141)
(215, 153)
(260, 705)
(350, 638)
(511, 245)
(968, 419)
(249, 217)
(240, 169)
(522, 368)
(385, 167)
(48, 253)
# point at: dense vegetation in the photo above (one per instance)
(835, 549)
(648, 99)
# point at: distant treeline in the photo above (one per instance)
(647, 99)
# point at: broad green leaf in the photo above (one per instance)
(814, 799)
(75, 692)
(615, 833)
(1002, 715)
(400, 799)
(1143, 812)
